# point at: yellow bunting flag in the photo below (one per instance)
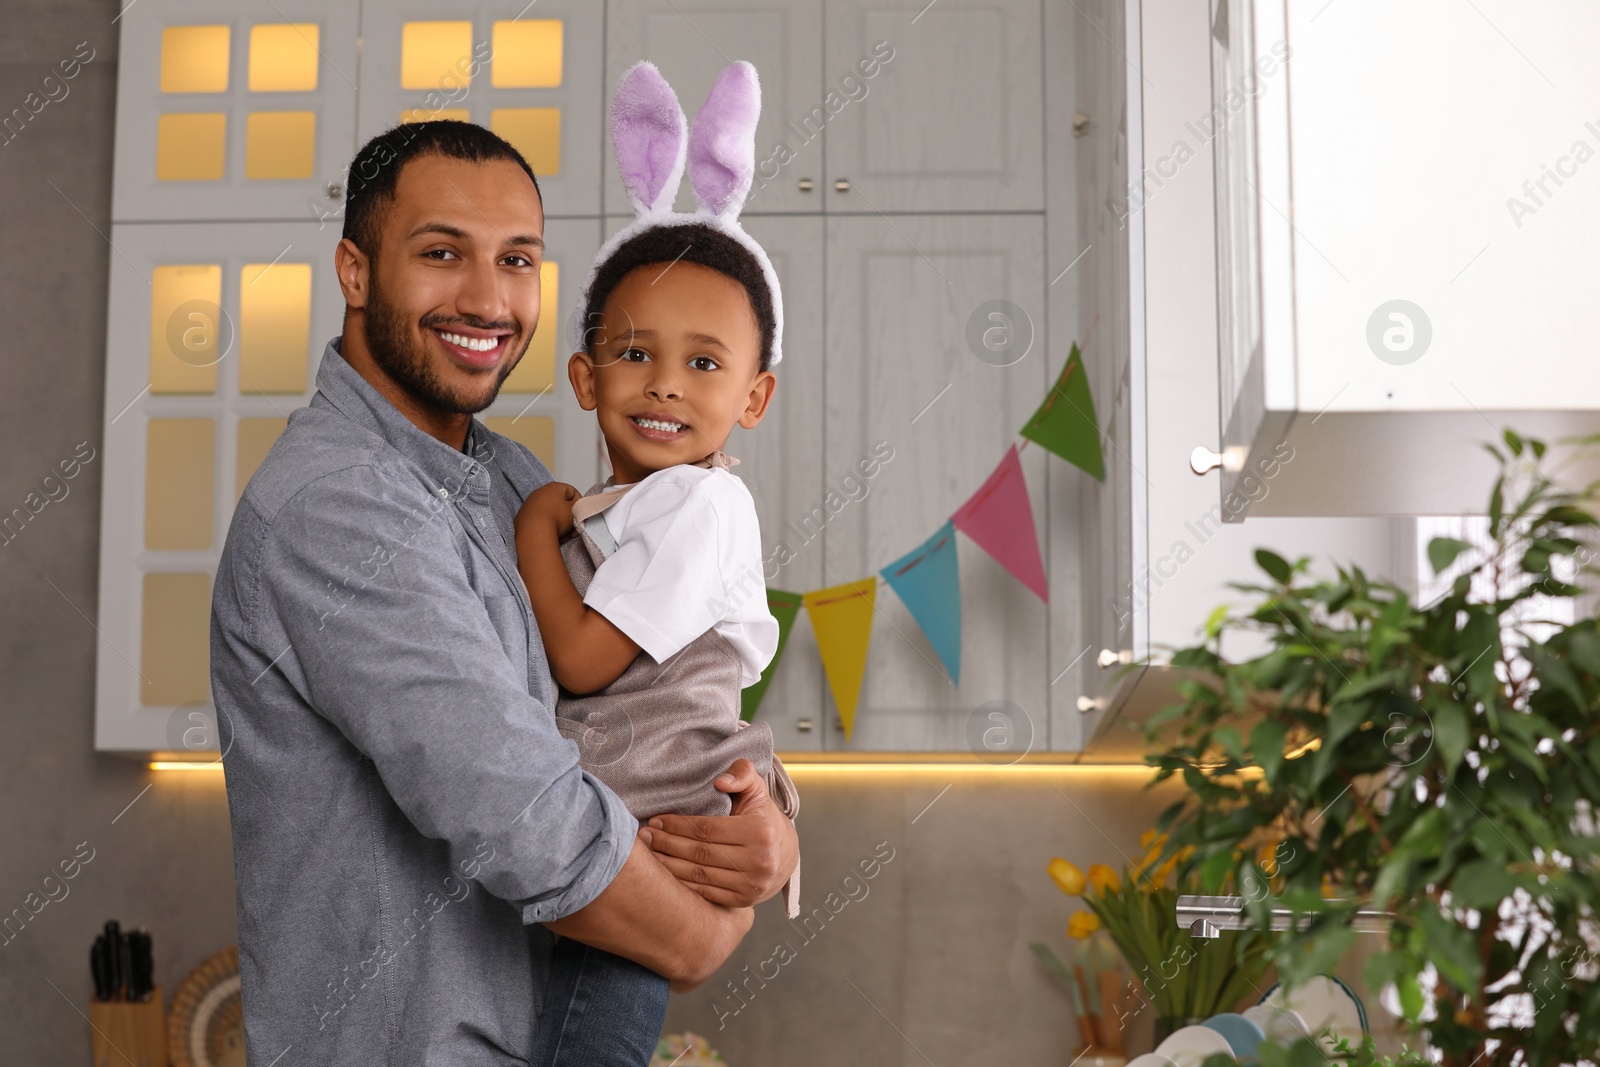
(841, 618)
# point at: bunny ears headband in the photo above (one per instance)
(654, 144)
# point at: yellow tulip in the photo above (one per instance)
(1068, 877)
(1103, 878)
(1082, 924)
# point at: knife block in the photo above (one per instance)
(123, 1032)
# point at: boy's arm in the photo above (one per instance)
(586, 652)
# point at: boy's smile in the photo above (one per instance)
(676, 363)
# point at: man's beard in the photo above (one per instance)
(391, 343)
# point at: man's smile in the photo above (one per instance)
(473, 348)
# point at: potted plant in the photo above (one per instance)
(1181, 981)
(1439, 762)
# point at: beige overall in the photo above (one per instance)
(660, 733)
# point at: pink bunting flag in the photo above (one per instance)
(999, 517)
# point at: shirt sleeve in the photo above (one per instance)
(362, 580)
(679, 567)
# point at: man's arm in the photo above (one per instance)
(642, 902)
(364, 604)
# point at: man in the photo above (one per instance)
(408, 824)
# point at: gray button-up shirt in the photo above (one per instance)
(404, 811)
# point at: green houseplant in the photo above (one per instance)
(1440, 762)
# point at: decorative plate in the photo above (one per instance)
(205, 1025)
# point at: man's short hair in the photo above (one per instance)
(376, 168)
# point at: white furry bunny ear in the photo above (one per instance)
(722, 142)
(649, 133)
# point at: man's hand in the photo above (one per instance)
(737, 860)
(550, 505)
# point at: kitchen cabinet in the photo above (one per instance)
(953, 121)
(232, 111)
(533, 74)
(1405, 254)
(879, 298)
(1156, 532)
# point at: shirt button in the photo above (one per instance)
(444, 492)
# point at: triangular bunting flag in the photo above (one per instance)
(1065, 422)
(999, 518)
(927, 581)
(784, 607)
(841, 617)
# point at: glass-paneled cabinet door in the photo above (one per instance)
(214, 335)
(529, 73)
(782, 39)
(234, 111)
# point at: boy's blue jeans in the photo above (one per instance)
(600, 1010)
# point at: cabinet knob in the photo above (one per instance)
(838, 724)
(335, 191)
(1110, 657)
(803, 725)
(1080, 124)
(842, 185)
(1203, 460)
(1088, 704)
(805, 185)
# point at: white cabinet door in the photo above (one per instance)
(530, 73)
(234, 111)
(691, 45)
(1384, 314)
(781, 462)
(951, 120)
(214, 335)
(902, 295)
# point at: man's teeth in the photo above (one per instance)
(477, 344)
(657, 424)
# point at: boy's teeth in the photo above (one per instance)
(656, 424)
(477, 344)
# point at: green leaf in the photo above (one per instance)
(1451, 947)
(1275, 565)
(1450, 733)
(1482, 884)
(1215, 871)
(1266, 746)
(1442, 551)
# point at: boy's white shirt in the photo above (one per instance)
(688, 559)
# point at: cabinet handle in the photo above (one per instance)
(841, 185)
(1110, 657)
(838, 724)
(803, 725)
(1203, 460)
(805, 185)
(1088, 704)
(335, 191)
(1080, 124)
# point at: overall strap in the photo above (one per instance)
(602, 495)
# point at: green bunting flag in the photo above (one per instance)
(1065, 422)
(784, 607)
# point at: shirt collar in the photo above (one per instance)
(451, 470)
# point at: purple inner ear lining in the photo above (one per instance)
(722, 142)
(647, 130)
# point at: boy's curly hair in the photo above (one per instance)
(709, 247)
